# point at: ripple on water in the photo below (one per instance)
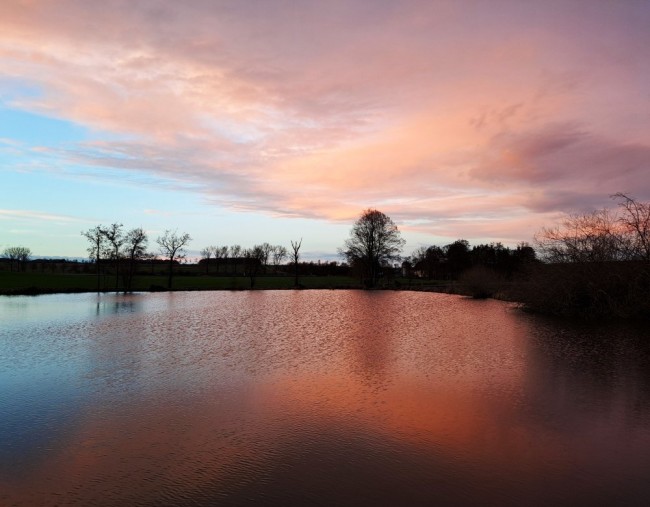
(315, 397)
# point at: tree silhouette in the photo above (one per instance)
(635, 218)
(135, 245)
(295, 255)
(253, 261)
(207, 254)
(17, 255)
(97, 246)
(279, 254)
(458, 257)
(235, 253)
(171, 246)
(113, 234)
(266, 250)
(427, 260)
(588, 237)
(374, 242)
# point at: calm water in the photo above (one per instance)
(316, 398)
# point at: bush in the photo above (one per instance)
(480, 282)
(588, 290)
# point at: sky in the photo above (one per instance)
(242, 122)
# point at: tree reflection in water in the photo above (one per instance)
(317, 397)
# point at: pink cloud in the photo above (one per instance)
(504, 111)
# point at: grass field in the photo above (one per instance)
(40, 283)
(13, 283)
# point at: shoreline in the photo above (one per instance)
(36, 291)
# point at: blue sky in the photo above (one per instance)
(66, 199)
(241, 123)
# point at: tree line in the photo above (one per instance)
(17, 257)
(590, 263)
(596, 264)
(375, 245)
(124, 250)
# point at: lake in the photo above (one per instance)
(317, 398)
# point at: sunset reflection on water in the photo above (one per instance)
(316, 397)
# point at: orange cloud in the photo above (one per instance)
(325, 110)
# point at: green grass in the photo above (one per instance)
(68, 282)
(46, 281)
(39, 283)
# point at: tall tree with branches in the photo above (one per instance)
(374, 242)
(18, 255)
(587, 237)
(172, 247)
(266, 250)
(279, 254)
(97, 240)
(635, 218)
(206, 255)
(113, 235)
(253, 262)
(295, 256)
(235, 253)
(135, 247)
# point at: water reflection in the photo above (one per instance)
(590, 369)
(332, 398)
(113, 305)
(372, 326)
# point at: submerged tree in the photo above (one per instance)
(374, 242)
(171, 246)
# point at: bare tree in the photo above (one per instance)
(266, 250)
(97, 248)
(635, 218)
(279, 254)
(18, 255)
(374, 242)
(207, 254)
(171, 246)
(113, 234)
(253, 261)
(295, 256)
(220, 253)
(235, 253)
(590, 237)
(135, 246)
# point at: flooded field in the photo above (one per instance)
(317, 398)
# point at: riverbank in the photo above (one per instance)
(542, 294)
(31, 284)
